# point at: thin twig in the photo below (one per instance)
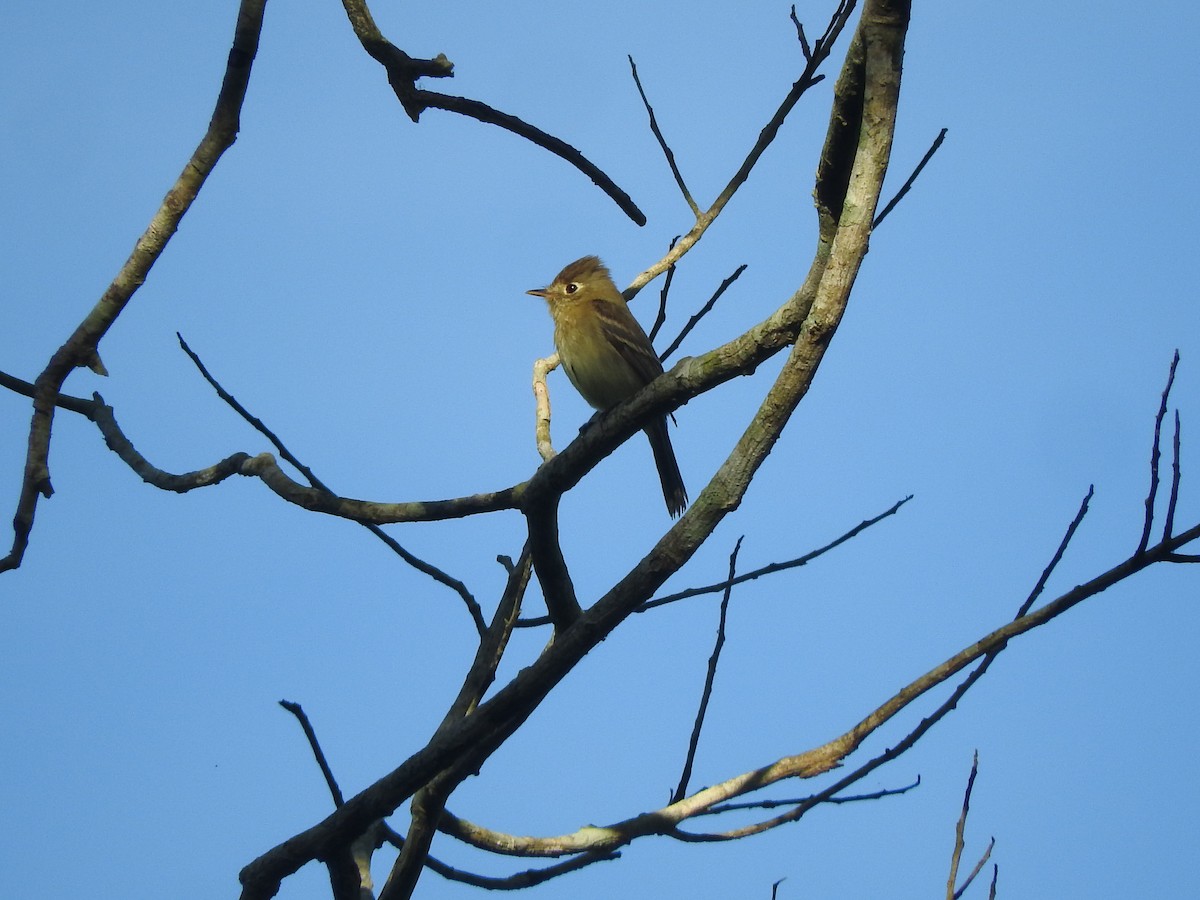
(800, 34)
(779, 566)
(709, 678)
(796, 801)
(987, 854)
(661, 318)
(960, 829)
(662, 142)
(704, 310)
(296, 710)
(1176, 475)
(1058, 554)
(403, 72)
(521, 880)
(1154, 457)
(481, 112)
(256, 423)
(891, 204)
(770, 569)
(415, 562)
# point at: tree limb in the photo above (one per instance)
(81, 348)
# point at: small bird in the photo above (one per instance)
(607, 355)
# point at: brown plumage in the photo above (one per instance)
(607, 355)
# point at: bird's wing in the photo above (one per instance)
(629, 340)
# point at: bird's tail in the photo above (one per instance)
(668, 469)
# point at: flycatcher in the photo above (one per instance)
(607, 355)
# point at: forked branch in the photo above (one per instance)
(81, 349)
(403, 72)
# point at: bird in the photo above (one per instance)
(607, 355)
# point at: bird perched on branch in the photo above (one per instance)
(607, 355)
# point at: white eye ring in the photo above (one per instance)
(572, 287)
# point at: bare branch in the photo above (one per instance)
(256, 423)
(264, 467)
(541, 398)
(835, 800)
(81, 348)
(904, 189)
(1154, 456)
(807, 50)
(548, 563)
(661, 318)
(62, 401)
(267, 469)
(704, 310)
(1058, 554)
(482, 112)
(482, 673)
(855, 154)
(752, 575)
(662, 141)
(808, 78)
(517, 881)
(779, 566)
(709, 678)
(874, 61)
(429, 803)
(425, 568)
(426, 806)
(116, 440)
(824, 758)
(403, 72)
(1176, 476)
(298, 711)
(960, 830)
(828, 756)
(813, 762)
(349, 868)
(102, 414)
(987, 854)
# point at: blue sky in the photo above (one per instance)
(358, 282)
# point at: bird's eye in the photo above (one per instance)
(572, 287)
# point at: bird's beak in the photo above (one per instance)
(539, 292)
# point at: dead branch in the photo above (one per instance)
(709, 678)
(403, 72)
(82, 347)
